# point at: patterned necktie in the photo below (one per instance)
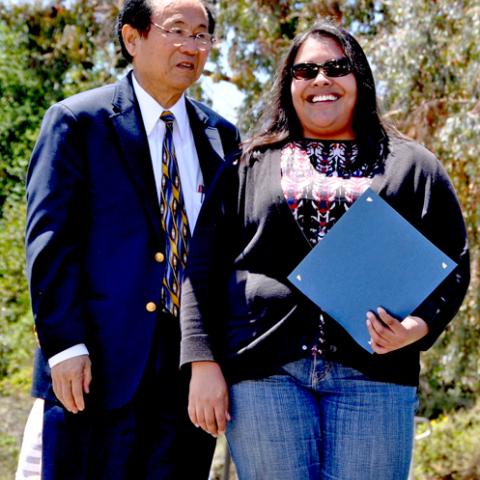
(174, 221)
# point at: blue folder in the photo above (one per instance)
(371, 257)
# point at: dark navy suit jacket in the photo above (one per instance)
(93, 231)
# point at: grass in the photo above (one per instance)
(13, 415)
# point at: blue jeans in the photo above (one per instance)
(318, 419)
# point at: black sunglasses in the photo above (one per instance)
(333, 68)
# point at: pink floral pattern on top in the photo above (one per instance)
(320, 181)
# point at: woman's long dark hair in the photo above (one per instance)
(280, 124)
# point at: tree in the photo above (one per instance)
(49, 52)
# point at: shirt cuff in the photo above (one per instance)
(75, 351)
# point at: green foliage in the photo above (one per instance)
(8, 455)
(16, 325)
(48, 53)
(451, 451)
(19, 113)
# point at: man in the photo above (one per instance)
(114, 187)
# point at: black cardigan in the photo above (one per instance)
(238, 307)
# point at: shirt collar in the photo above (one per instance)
(151, 110)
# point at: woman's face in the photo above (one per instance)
(324, 105)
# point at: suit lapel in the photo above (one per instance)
(213, 136)
(128, 124)
(207, 142)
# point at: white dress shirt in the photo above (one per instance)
(191, 178)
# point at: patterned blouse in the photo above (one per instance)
(320, 185)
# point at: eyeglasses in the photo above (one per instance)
(333, 68)
(179, 36)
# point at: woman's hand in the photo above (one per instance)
(208, 398)
(389, 334)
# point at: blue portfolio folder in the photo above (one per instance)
(371, 257)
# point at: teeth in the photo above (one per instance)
(323, 98)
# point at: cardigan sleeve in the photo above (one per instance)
(443, 224)
(204, 285)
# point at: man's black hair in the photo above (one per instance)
(138, 14)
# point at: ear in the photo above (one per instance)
(130, 37)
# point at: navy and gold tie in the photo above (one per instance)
(174, 221)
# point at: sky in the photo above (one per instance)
(225, 97)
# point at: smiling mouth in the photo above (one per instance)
(322, 98)
(186, 65)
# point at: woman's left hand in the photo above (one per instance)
(208, 398)
(389, 334)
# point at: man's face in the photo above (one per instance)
(164, 66)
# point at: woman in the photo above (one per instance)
(304, 401)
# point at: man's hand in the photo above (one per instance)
(71, 378)
(389, 334)
(208, 398)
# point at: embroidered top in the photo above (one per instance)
(320, 182)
